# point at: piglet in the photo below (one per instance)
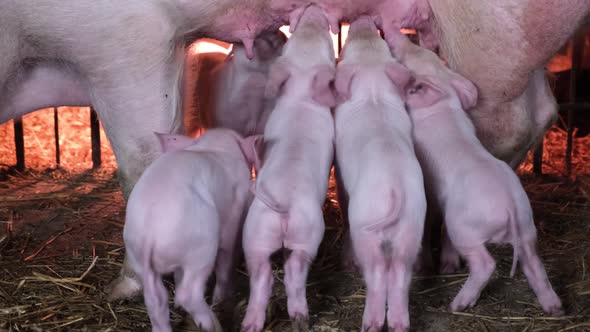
(292, 183)
(230, 93)
(184, 216)
(380, 172)
(240, 102)
(481, 198)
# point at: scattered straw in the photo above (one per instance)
(30, 257)
(60, 287)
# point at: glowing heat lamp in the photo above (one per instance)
(207, 45)
(344, 33)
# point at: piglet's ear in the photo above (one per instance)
(398, 74)
(343, 81)
(252, 147)
(321, 86)
(422, 94)
(173, 142)
(277, 77)
(466, 91)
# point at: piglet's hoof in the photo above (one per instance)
(553, 307)
(450, 262)
(250, 328)
(458, 305)
(251, 325)
(124, 287)
(372, 328)
(300, 323)
(398, 328)
(556, 311)
(423, 266)
(348, 265)
(449, 267)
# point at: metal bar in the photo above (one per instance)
(577, 52)
(574, 106)
(19, 143)
(538, 159)
(56, 134)
(95, 139)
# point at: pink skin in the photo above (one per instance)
(450, 260)
(249, 145)
(132, 78)
(293, 181)
(515, 105)
(79, 74)
(380, 173)
(390, 15)
(167, 222)
(348, 261)
(424, 264)
(488, 203)
(173, 143)
(234, 88)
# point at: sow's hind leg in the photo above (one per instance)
(134, 99)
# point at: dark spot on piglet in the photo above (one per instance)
(166, 96)
(387, 249)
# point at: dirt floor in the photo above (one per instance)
(61, 244)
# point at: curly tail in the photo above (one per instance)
(262, 195)
(392, 217)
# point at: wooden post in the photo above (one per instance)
(577, 53)
(19, 143)
(95, 139)
(56, 134)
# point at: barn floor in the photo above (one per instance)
(65, 246)
(61, 244)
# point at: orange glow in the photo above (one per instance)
(206, 45)
(344, 29)
(210, 45)
(74, 139)
(408, 31)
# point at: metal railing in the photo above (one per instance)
(19, 140)
(571, 107)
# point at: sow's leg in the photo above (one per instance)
(134, 101)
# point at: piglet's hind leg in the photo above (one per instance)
(296, 271)
(190, 294)
(372, 260)
(261, 281)
(156, 301)
(398, 287)
(538, 280)
(223, 275)
(449, 257)
(481, 266)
